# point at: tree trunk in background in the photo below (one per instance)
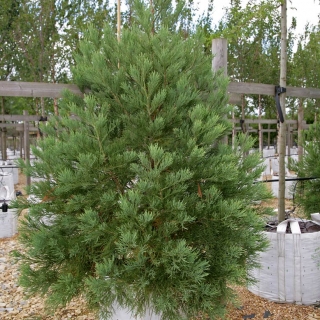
(119, 19)
(288, 140)
(3, 135)
(300, 128)
(234, 130)
(282, 130)
(55, 106)
(26, 145)
(220, 61)
(243, 115)
(260, 130)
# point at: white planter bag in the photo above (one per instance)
(120, 313)
(290, 268)
(11, 168)
(4, 193)
(6, 182)
(8, 223)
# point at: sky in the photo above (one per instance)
(306, 11)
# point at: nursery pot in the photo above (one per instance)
(8, 223)
(7, 191)
(315, 217)
(121, 313)
(290, 268)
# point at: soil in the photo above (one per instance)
(305, 227)
(15, 305)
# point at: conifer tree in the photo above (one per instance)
(139, 202)
(306, 193)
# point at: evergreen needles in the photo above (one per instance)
(306, 193)
(139, 203)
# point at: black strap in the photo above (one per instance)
(242, 125)
(42, 119)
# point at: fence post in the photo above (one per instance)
(26, 143)
(220, 61)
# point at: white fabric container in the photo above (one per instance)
(8, 223)
(268, 152)
(120, 313)
(6, 182)
(289, 270)
(4, 193)
(267, 166)
(315, 217)
(289, 187)
(11, 168)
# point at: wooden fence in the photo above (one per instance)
(22, 123)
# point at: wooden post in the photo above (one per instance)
(4, 144)
(243, 114)
(220, 55)
(300, 128)
(282, 130)
(260, 129)
(234, 130)
(289, 140)
(3, 135)
(20, 143)
(220, 61)
(26, 144)
(14, 143)
(119, 20)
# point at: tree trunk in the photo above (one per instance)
(243, 115)
(118, 19)
(220, 61)
(260, 130)
(288, 140)
(234, 130)
(300, 128)
(3, 134)
(26, 144)
(55, 106)
(282, 130)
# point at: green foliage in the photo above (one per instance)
(8, 47)
(139, 201)
(306, 74)
(307, 192)
(37, 39)
(253, 34)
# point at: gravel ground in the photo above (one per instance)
(13, 302)
(15, 305)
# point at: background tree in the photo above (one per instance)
(8, 47)
(139, 202)
(308, 167)
(8, 54)
(253, 34)
(45, 33)
(306, 69)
